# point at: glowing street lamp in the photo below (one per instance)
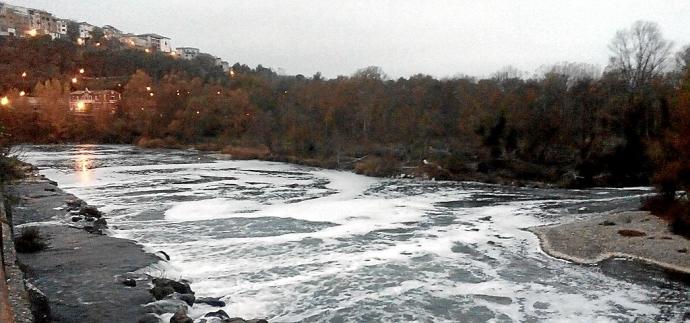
(4, 101)
(148, 88)
(32, 32)
(22, 93)
(81, 71)
(23, 74)
(74, 80)
(80, 41)
(151, 94)
(147, 50)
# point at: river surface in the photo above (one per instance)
(295, 243)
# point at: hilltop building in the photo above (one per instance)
(187, 52)
(88, 102)
(85, 30)
(14, 20)
(157, 42)
(111, 32)
(19, 21)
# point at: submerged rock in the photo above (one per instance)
(212, 301)
(163, 255)
(219, 314)
(187, 298)
(166, 306)
(129, 282)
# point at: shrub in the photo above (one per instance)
(145, 142)
(238, 152)
(378, 166)
(30, 241)
(675, 211)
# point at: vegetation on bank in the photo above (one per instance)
(30, 241)
(568, 124)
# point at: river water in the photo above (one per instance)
(295, 243)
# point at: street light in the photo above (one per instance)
(74, 80)
(81, 71)
(23, 74)
(4, 101)
(22, 93)
(80, 41)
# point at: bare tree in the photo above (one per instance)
(683, 58)
(571, 72)
(639, 53)
(508, 72)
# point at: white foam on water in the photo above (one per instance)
(350, 245)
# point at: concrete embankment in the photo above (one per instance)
(14, 301)
(637, 235)
(80, 273)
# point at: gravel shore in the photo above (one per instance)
(638, 235)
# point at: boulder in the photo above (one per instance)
(74, 204)
(165, 306)
(212, 301)
(187, 298)
(100, 224)
(180, 287)
(95, 227)
(90, 211)
(219, 314)
(181, 317)
(149, 318)
(161, 292)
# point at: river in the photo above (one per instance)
(295, 243)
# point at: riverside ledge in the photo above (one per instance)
(636, 234)
(80, 272)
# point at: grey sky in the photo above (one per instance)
(336, 37)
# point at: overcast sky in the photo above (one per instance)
(404, 37)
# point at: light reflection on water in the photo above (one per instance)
(84, 162)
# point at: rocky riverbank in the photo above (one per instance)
(84, 275)
(637, 235)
